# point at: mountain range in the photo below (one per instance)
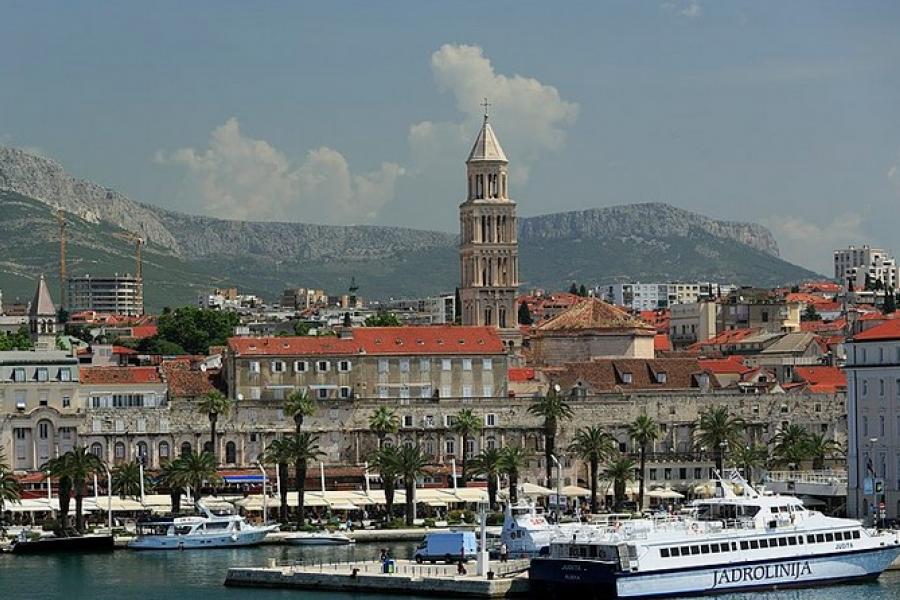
(186, 254)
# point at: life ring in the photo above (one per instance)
(695, 528)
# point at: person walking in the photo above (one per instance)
(504, 553)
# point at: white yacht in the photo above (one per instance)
(318, 538)
(526, 531)
(205, 531)
(725, 544)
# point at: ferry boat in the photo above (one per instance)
(526, 531)
(205, 531)
(725, 544)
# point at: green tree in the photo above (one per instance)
(466, 425)
(582, 291)
(299, 406)
(196, 329)
(619, 471)
(214, 404)
(158, 345)
(280, 453)
(304, 447)
(172, 479)
(410, 464)
(644, 430)
(750, 457)
(126, 480)
(810, 314)
(21, 340)
(387, 463)
(301, 327)
(525, 317)
(383, 319)
(77, 465)
(890, 301)
(573, 289)
(552, 409)
(384, 422)
(512, 460)
(718, 430)
(820, 449)
(199, 469)
(594, 445)
(791, 446)
(10, 489)
(489, 463)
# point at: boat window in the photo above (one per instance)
(183, 529)
(820, 538)
(685, 551)
(217, 526)
(856, 535)
(810, 539)
(675, 552)
(750, 511)
(763, 543)
(782, 541)
(745, 546)
(664, 552)
(695, 550)
(754, 544)
(774, 510)
(800, 539)
(704, 549)
(792, 541)
(829, 537)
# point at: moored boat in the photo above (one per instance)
(73, 544)
(318, 538)
(204, 531)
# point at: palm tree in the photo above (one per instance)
(620, 471)
(10, 489)
(304, 447)
(57, 467)
(410, 464)
(214, 404)
(467, 424)
(552, 409)
(644, 431)
(512, 460)
(382, 422)
(126, 479)
(717, 431)
(593, 445)
(386, 463)
(171, 477)
(280, 453)
(198, 469)
(750, 457)
(299, 406)
(791, 446)
(821, 449)
(489, 463)
(77, 465)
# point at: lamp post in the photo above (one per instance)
(265, 497)
(108, 497)
(558, 480)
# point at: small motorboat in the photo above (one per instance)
(318, 538)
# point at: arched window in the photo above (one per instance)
(97, 450)
(185, 449)
(230, 453)
(490, 443)
(487, 316)
(119, 452)
(408, 443)
(207, 446)
(502, 320)
(163, 451)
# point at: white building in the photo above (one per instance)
(654, 296)
(873, 420)
(115, 295)
(853, 264)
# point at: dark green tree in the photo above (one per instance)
(582, 291)
(196, 329)
(301, 327)
(890, 302)
(20, 340)
(347, 321)
(573, 289)
(810, 314)
(525, 317)
(383, 319)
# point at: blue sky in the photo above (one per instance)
(783, 113)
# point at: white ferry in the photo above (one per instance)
(206, 531)
(726, 544)
(527, 532)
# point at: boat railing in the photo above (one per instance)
(823, 477)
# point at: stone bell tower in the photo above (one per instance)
(488, 251)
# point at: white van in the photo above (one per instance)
(449, 547)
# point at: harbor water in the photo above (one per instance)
(199, 575)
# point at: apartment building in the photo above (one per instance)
(370, 362)
(855, 265)
(116, 294)
(691, 323)
(750, 308)
(654, 296)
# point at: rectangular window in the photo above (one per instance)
(18, 375)
(255, 393)
(66, 401)
(682, 473)
(763, 543)
(698, 473)
(754, 544)
(383, 365)
(487, 364)
(664, 552)
(344, 366)
(43, 374)
(322, 366)
(382, 391)
(490, 420)
(407, 421)
(467, 392)
(467, 364)
(881, 387)
(65, 374)
(404, 365)
(43, 398)
(425, 391)
(653, 474)
(446, 364)
(675, 552)
(424, 365)
(277, 366)
(446, 391)
(829, 537)
(487, 390)
(745, 546)
(404, 391)
(449, 420)
(345, 392)
(254, 366)
(667, 473)
(322, 393)
(300, 366)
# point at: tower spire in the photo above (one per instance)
(485, 104)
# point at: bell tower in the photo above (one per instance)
(488, 250)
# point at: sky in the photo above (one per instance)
(781, 113)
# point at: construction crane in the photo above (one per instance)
(138, 241)
(61, 220)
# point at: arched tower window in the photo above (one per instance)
(230, 453)
(185, 449)
(487, 316)
(502, 320)
(97, 450)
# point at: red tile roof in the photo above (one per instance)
(607, 375)
(731, 336)
(593, 314)
(662, 343)
(822, 379)
(119, 375)
(185, 382)
(721, 366)
(823, 326)
(140, 332)
(519, 374)
(889, 330)
(377, 341)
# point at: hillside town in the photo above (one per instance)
(610, 394)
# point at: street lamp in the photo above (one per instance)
(558, 479)
(108, 498)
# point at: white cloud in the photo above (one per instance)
(690, 9)
(238, 177)
(807, 242)
(892, 173)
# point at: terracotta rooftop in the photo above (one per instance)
(119, 375)
(185, 382)
(594, 314)
(662, 343)
(721, 366)
(608, 375)
(521, 374)
(823, 379)
(889, 330)
(377, 341)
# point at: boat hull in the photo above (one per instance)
(319, 541)
(86, 543)
(596, 579)
(189, 542)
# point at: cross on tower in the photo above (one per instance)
(485, 104)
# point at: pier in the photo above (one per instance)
(507, 580)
